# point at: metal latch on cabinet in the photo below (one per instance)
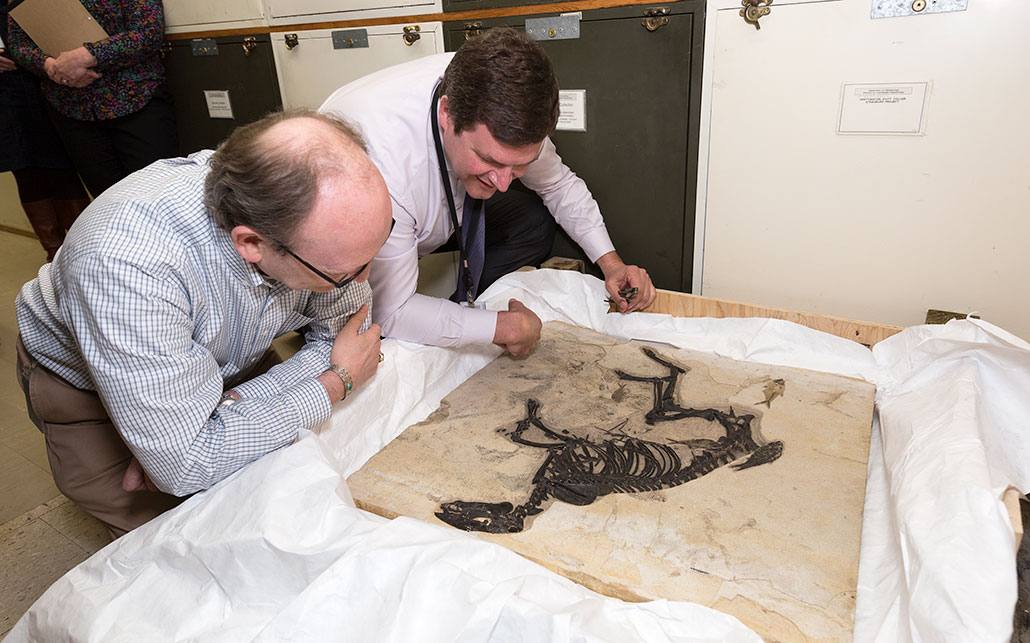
(204, 47)
(473, 29)
(753, 10)
(350, 39)
(411, 34)
(655, 19)
(250, 42)
(563, 27)
(291, 40)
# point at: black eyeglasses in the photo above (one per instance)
(336, 284)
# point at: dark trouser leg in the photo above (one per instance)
(91, 150)
(70, 198)
(105, 152)
(519, 232)
(147, 135)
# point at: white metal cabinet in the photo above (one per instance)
(191, 15)
(312, 69)
(870, 227)
(288, 12)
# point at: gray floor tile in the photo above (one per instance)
(78, 526)
(20, 434)
(32, 557)
(23, 484)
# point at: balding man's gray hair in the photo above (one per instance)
(271, 188)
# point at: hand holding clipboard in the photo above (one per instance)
(60, 28)
(56, 26)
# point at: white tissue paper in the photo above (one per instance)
(278, 551)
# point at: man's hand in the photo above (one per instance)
(72, 68)
(518, 329)
(6, 64)
(136, 479)
(618, 276)
(357, 352)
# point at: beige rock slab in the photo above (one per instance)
(775, 545)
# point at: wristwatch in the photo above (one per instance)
(227, 399)
(348, 382)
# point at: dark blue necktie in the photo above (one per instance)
(473, 237)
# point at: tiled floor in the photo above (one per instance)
(42, 534)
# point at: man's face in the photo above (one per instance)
(483, 164)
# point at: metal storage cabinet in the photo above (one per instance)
(311, 67)
(638, 153)
(243, 65)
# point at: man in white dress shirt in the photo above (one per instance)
(496, 103)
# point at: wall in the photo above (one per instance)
(870, 227)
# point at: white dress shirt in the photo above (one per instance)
(391, 108)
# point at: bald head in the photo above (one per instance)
(270, 174)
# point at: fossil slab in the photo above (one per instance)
(647, 472)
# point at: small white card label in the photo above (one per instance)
(218, 105)
(888, 108)
(572, 114)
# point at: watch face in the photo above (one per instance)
(227, 400)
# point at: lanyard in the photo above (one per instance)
(466, 274)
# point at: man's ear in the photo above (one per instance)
(251, 245)
(445, 114)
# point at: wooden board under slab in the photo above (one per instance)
(775, 544)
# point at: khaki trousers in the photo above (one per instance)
(87, 455)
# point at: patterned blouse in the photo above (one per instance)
(128, 61)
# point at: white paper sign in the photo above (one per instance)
(572, 114)
(218, 105)
(890, 108)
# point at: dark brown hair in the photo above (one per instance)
(272, 188)
(504, 80)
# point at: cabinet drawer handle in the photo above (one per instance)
(411, 35)
(753, 10)
(656, 18)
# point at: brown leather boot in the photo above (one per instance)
(69, 210)
(43, 217)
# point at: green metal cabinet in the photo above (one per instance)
(243, 65)
(639, 152)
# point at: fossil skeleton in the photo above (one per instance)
(578, 470)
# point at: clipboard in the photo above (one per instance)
(56, 25)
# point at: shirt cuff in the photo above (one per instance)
(478, 326)
(596, 243)
(311, 402)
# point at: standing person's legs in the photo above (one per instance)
(35, 196)
(91, 150)
(87, 455)
(519, 232)
(70, 198)
(147, 135)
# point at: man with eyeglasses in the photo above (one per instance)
(145, 346)
(449, 132)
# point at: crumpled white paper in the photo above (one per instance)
(278, 552)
